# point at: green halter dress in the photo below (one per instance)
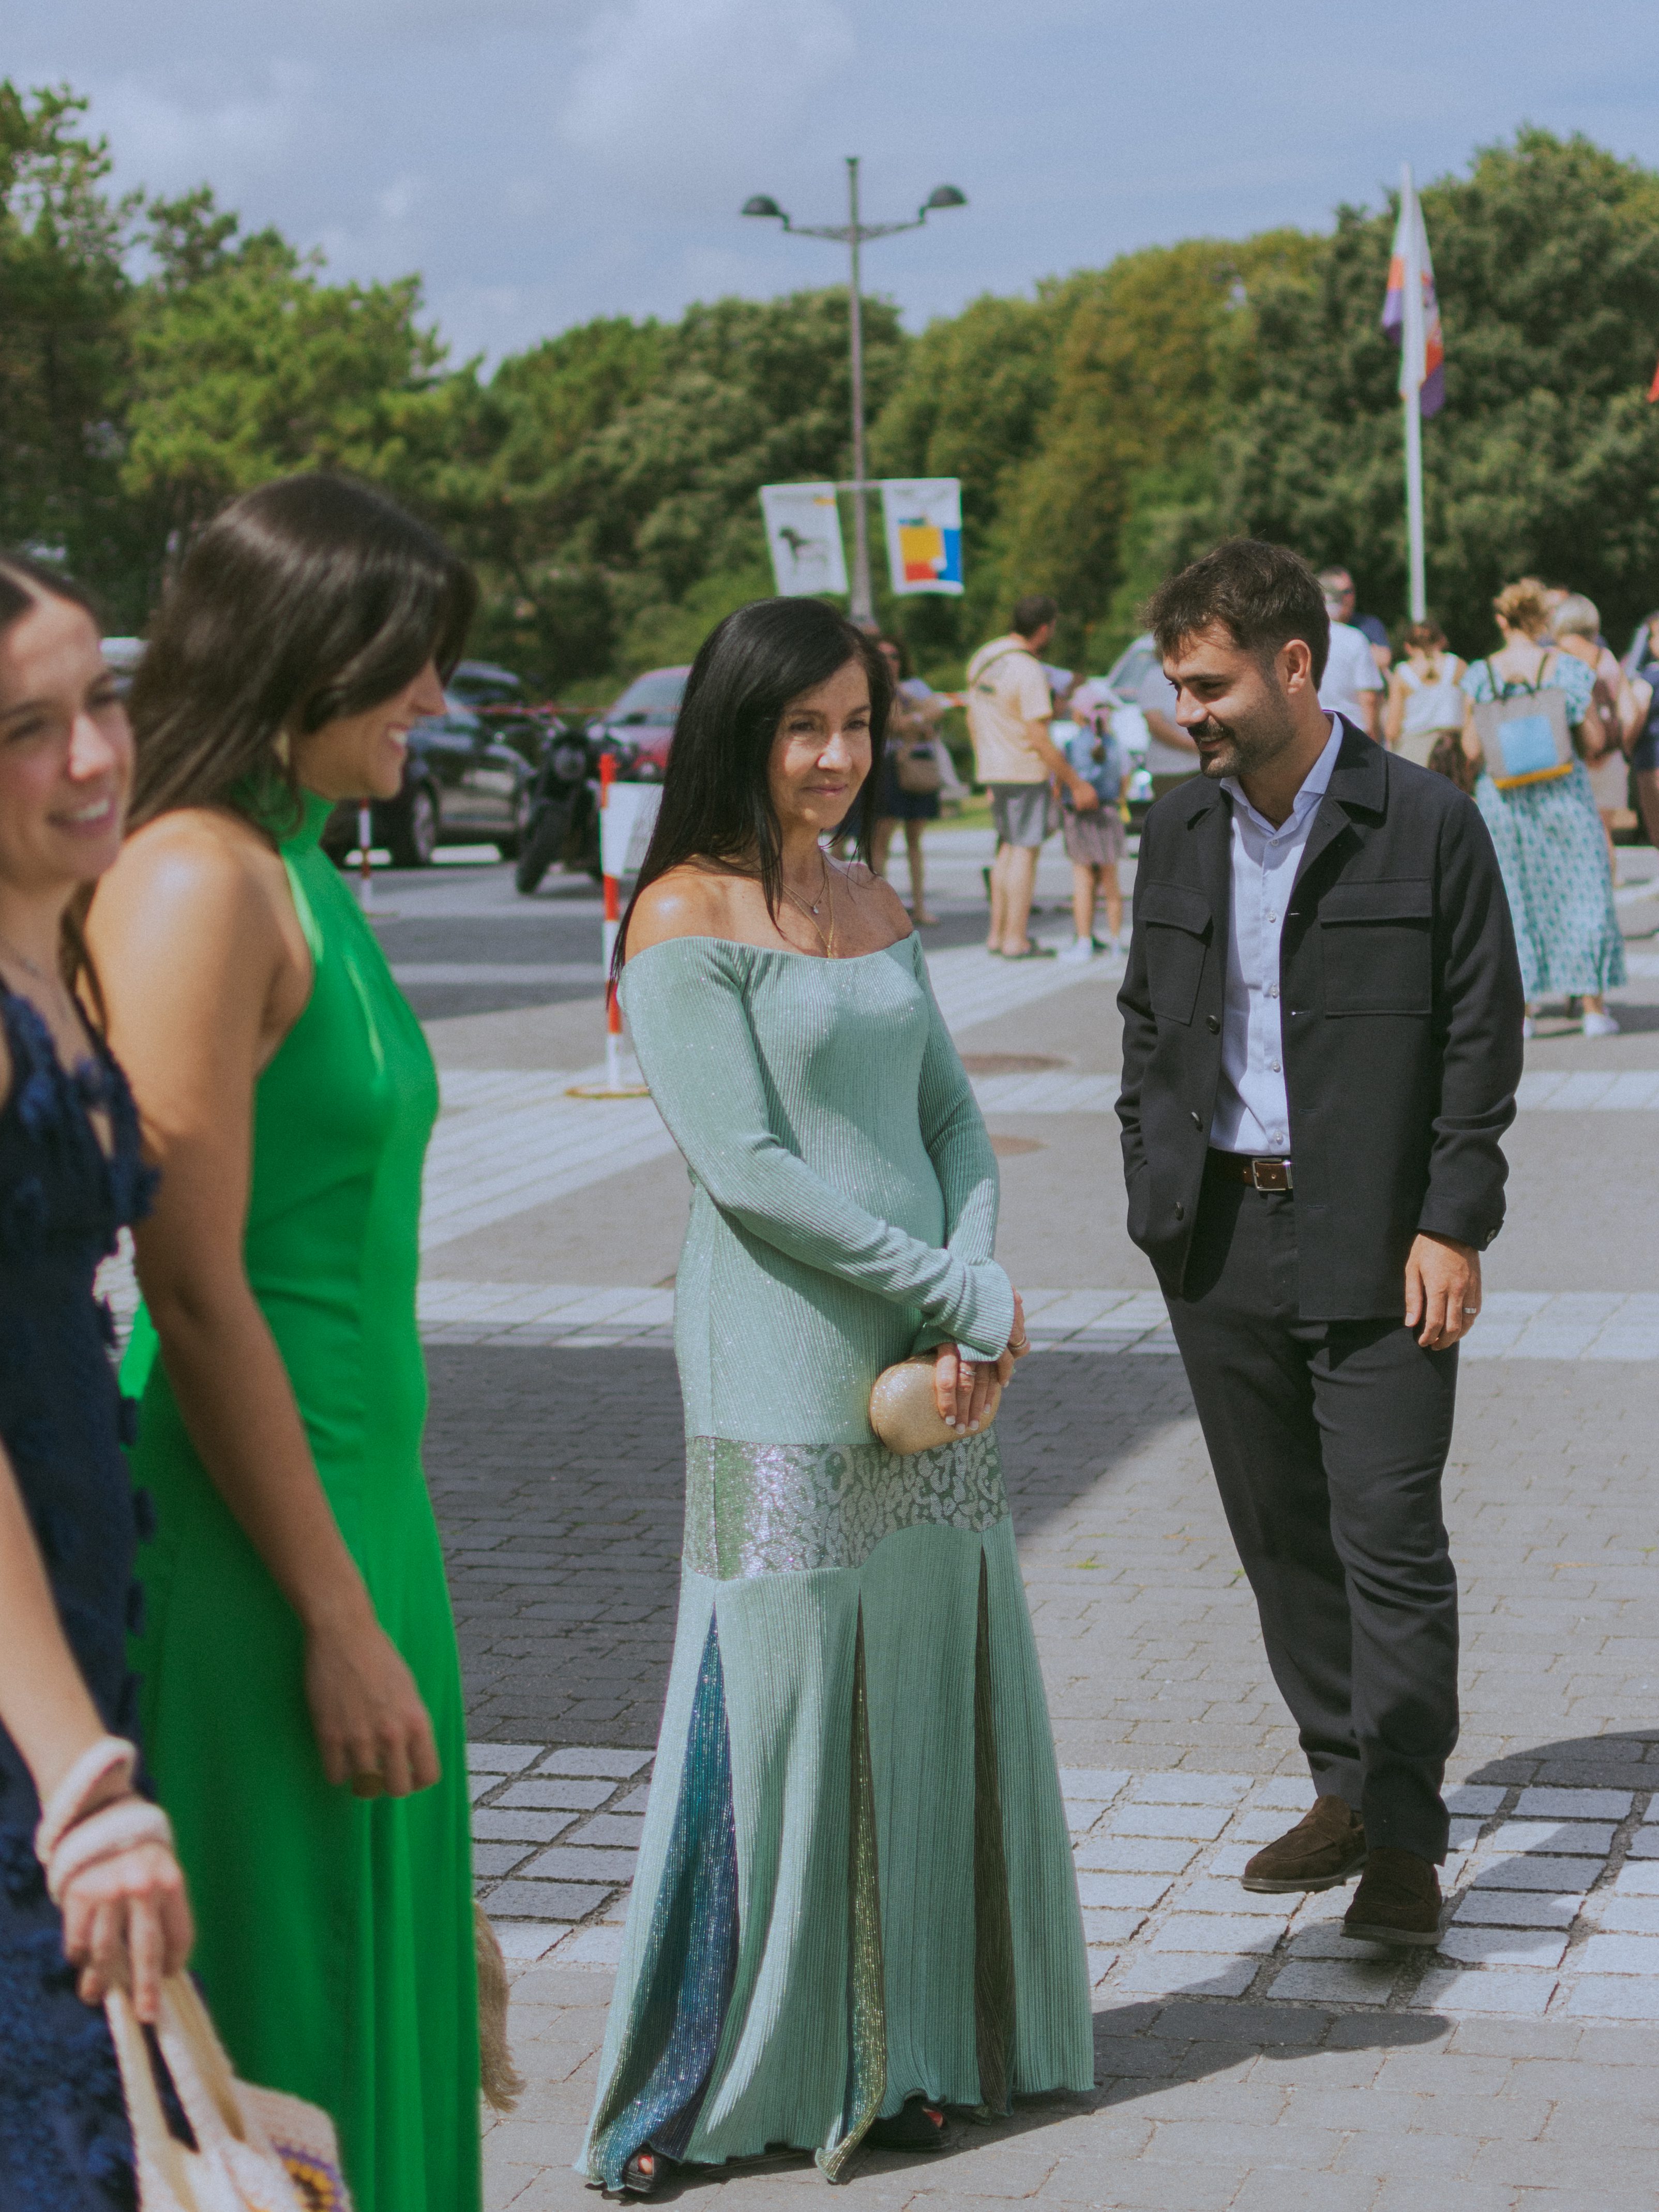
(335, 1935)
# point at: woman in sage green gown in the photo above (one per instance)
(301, 1690)
(854, 1893)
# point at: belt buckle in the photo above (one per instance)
(1271, 1174)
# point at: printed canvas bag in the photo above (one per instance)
(256, 2151)
(1523, 731)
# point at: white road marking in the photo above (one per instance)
(1514, 1324)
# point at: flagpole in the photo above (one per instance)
(1412, 362)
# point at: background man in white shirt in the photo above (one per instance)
(1352, 684)
(1321, 1040)
(1009, 709)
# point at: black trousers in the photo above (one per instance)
(1329, 1441)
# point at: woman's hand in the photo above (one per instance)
(127, 1926)
(1020, 1341)
(372, 1730)
(968, 1391)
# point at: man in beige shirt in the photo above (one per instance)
(1009, 710)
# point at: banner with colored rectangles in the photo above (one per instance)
(923, 515)
(803, 533)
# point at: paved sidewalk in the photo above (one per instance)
(1179, 1757)
(1248, 2057)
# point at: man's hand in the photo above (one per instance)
(1442, 1291)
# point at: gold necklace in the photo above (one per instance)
(811, 912)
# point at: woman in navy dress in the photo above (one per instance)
(90, 1892)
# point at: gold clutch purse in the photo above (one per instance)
(904, 1413)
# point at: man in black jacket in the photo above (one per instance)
(1323, 1016)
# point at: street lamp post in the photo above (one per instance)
(853, 234)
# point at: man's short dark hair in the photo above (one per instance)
(1032, 612)
(1262, 595)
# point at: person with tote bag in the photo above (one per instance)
(89, 1873)
(1524, 704)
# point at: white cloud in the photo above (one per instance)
(671, 80)
(173, 136)
(396, 202)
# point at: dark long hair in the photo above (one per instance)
(716, 799)
(23, 584)
(309, 598)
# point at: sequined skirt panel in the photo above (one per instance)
(783, 1509)
(788, 1643)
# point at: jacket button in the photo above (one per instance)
(1212, 1025)
(1181, 1210)
(1198, 1122)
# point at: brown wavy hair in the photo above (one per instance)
(312, 597)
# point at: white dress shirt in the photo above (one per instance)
(1350, 668)
(1252, 1111)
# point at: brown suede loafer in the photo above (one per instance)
(1398, 1901)
(1326, 1848)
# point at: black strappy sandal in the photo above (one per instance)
(645, 2173)
(920, 2126)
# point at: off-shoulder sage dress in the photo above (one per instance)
(854, 1885)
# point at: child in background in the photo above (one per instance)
(1093, 840)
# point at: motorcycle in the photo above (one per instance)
(564, 810)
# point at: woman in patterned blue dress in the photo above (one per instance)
(1551, 847)
(90, 1892)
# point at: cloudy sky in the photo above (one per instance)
(540, 161)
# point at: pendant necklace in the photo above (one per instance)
(811, 912)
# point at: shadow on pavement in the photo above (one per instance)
(557, 1477)
(1627, 1759)
(1139, 2050)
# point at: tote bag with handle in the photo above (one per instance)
(256, 2151)
(1523, 731)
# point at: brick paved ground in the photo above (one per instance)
(1514, 2069)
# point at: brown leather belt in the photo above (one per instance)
(1270, 1174)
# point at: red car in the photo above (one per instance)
(639, 727)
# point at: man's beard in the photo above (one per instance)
(1245, 748)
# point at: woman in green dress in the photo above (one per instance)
(855, 1905)
(301, 1693)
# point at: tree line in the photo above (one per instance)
(155, 359)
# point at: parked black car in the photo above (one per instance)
(500, 698)
(463, 784)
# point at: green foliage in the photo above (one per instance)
(62, 296)
(245, 365)
(1545, 458)
(1158, 353)
(154, 361)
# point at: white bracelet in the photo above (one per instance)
(104, 1835)
(111, 1755)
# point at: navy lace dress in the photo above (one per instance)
(65, 2146)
